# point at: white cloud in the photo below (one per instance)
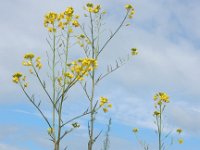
(165, 34)
(8, 147)
(186, 118)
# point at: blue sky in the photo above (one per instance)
(167, 36)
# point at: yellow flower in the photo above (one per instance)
(51, 29)
(159, 102)
(31, 71)
(38, 59)
(89, 7)
(156, 113)
(50, 18)
(46, 23)
(105, 110)
(60, 16)
(97, 8)
(130, 10)
(103, 101)
(70, 30)
(161, 97)
(61, 25)
(88, 41)
(17, 74)
(155, 97)
(76, 125)
(82, 66)
(93, 9)
(69, 11)
(110, 105)
(80, 78)
(15, 80)
(60, 80)
(131, 13)
(77, 17)
(69, 75)
(164, 97)
(38, 63)
(68, 20)
(179, 130)
(28, 63)
(75, 23)
(135, 130)
(104, 12)
(24, 78)
(25, 85)
(50, 131)
(29, 56)
(128, 6)
(180, 141)
(134, 51)
(81, 36)
(16, 77)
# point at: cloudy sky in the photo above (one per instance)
(166, 33)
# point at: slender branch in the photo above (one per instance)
(77, 117)
(109, 72)
(44, 88)
(113, 34)
(65, 133)
(85, 90)
(83, 30)
(91, 140)
(30, 99)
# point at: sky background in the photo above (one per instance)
(167, 36)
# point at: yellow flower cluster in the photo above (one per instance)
(135, 130)
(156, 113)
(16, 77)
(104, 102)
(179, 131)
(161, 97)
(180, 141)
(81, 39)
(130, 10)
(134, 51)
(76, 125)
(69, 11)
(29, 56)
(90, 7)
(50, 131)
(75, 23)
(78, 69)
(53, 20)
(28, 61)
(38, 63)
(67, 77)
(82, 67)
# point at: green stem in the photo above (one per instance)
(54, 89)
(91, 140)
(119, 27)
(59, 122)
(160, 128)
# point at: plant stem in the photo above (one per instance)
(160, 128)
(92, 117)
(54, 90)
